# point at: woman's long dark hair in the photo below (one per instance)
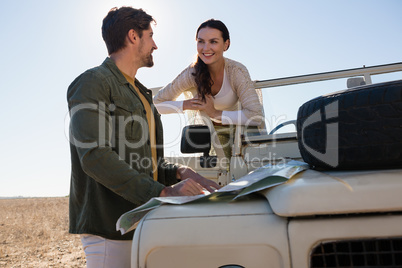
(202, 75)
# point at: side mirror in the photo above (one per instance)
(197, 139)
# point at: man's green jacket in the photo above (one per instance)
(111, 168)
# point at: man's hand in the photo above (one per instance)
(184, 173)
(191, 183)
(186, 187)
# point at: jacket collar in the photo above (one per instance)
(109, 63)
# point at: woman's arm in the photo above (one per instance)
(165, 99)
(251, 113)
(238, 118)
(251, 102)
(225, 117)
(169, 107)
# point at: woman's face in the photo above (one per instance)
(210, 45)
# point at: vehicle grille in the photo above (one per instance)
(385, 252)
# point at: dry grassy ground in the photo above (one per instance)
(34, 233)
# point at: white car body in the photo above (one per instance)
(348, 218)
(279, 228)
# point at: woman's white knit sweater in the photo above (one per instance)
(250, 99)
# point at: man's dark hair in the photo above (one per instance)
(119, 21)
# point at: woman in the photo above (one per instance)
(220, 87)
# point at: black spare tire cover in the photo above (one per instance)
(359, 128)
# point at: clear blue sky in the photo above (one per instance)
(46, 44)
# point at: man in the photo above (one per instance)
(116, 142)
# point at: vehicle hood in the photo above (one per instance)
(255, 205)
(313, 192)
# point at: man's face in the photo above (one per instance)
(146, 47)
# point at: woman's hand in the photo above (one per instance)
(191, 104)
(207, 106)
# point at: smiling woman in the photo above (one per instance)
(212, 40)
(216, 86)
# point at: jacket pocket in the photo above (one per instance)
(129, 121)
